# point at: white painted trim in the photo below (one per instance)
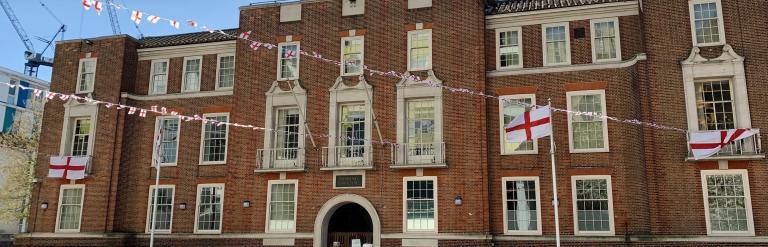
(585, 12)
(158, 121)
(576, 230)
(188, 95)
(567, 43)
(410, 90)
(58, 210)
(405, 205)
(519, 31)
(277, 99)
(720, 28)
(429, 58)
(568, 68)
(728, 65)
(362, 54)
(747, 202)
(606, 147)
(280, 60)
(202, 139)
(295, 183)
(329, 208)
(184, 74)
(343, 94)
(502, 125)
(617, 34)
(80, 74)
(504, 181)
(72, 110)
(197, 208)
(149, 207)
(152, 75)
(348, 173)
(218, 70)
(187, 50)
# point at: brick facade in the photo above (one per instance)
(657, 194)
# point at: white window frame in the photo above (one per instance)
(611, 219)
(362, 55)
(197, 208)
(152, 75)
(429, 58)
(218, 70)
(720, 28)
(58, 210)
(295, 203)
(504, 181)
(605, 147)
(280, 60)
(74, 110)
(519, 31)
(405, 203)
(158, 125)
(202, 139)
(184, 74)
(615, 21)
(747, 201)
(567, 43)
(73, 134)
(149, 207)
(80, 74)
(502, 125)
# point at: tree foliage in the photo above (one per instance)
(18, 149)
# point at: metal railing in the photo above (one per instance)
(745, 148)
(418, 154)
(358, 156)
(280, 159)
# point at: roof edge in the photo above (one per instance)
(98, 38)
(276, 3)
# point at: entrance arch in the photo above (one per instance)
(330, 207)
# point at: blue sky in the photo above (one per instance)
(81, 24)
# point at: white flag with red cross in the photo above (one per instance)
(136, 16)
(708, 143)
(68, 167)
(530, 125)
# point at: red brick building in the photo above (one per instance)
(352, 155)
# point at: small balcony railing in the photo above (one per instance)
(745, 149)
(407, 155)
(280, 159)
(347, 157)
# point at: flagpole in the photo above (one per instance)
(555, 201)
(157, 184)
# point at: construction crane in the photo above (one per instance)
(34, 59)
(113, 17)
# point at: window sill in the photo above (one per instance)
(207, 232)
(708, 44)
(223, 89)
(520, 153)
(523, 233)
(726, 234)
(597, 234)
(213, 163)
(586, 151)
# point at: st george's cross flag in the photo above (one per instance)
(708, 143)
(68, 167)
(530, 125)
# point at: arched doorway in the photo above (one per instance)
(349, 223)
(343, 213)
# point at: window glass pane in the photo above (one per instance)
(727, 203)
(70, 208)
(421, 127)
(169, 139)
(81, 136)
(226, 71)
(12, 93)
(164, 208)
(215, 139)
(509, 49)
(159, 77)
(714, 105)
(281, 207)
(592, 205)
(706, 22)
(352, 130)
(556, 45)
(353, 55)
(513, 108)
(605, 40)
(209, 208)
(420, 205)
(287, 134)
(522, 208)
(87, 74)
(289, 60)
(587, 130)
(192, 75)
(421, 50)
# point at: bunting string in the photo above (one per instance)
(255, 45)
